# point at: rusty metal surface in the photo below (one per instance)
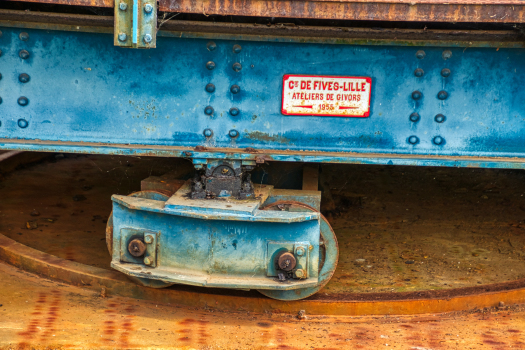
(40, 314)
(94, 3)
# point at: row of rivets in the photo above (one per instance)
(415, 117)
(445, 54)
(445, 72)
(442, 95)
(235, 89)
(236, 66)
(209, 133)
(437, 140)
(212, 46)
(234, 111)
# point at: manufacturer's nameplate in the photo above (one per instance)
(326, 95)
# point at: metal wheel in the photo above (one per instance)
(158, 195)
(328, 256)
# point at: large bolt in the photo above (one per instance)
(210, 65)
(440, 118)
(148, 38)
(22, 123)
(446, 54)
(438, 140)
(211, 46)
(123, 6)
(23, 101)
(286, 261)
(419, 72)
(208, 132)
(24, 36)
(23, 78)
(136, 247)
(300, 251)
(420, 54)
(235, 89)
(237, 48)
(122, 37)
(210, 87)
(233, 133)
(237, 67)
(300, 273)
(414, 117)
(445, 72)
(23, 54)
(148, 8)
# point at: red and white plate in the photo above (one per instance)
(325, 95)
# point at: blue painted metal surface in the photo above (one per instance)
(83, 91)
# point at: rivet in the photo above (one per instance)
(234, 111)
(233, 133)
(210, 87)
(148, 8)
(419, 72)
(237, 67)
(413, 140)
(210, 65)
(445, 72)
(416, 95)
(148, 38)
(442, 95)
(23, 101)
(208, 110)
(211, 46)
(24, 36)
(208, 132)
(446, 54)
(237, 48)
(23, 123)
(235, 89)
(122, 37)
(438, 140)
(420, 54)
(23, 78)
(414, 117)
(23, 54)
(440, 118)
(123, 6)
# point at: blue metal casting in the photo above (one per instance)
(84, 95)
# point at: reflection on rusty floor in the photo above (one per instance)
(41, 314)
(399, 228)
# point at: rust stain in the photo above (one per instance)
(261, 136)
(95, 3)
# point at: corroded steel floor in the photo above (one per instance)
(400, 229)
(41, 314)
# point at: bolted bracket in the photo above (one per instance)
(135, 23)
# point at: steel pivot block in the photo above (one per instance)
(221, 242)
(135, 23)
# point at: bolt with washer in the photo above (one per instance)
(148, 239)
(148, 8)
(300, 251)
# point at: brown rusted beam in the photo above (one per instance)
(94, 3)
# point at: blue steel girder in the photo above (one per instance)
(82, 94)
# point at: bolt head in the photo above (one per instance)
(420, 54)
(23, 54)
(123, 6)
(210, 88)
(446, 54)
(136, 247)
(208, 110)
(442, 95)
(148, 239)
(24, 78)
(416, 95)
(299, 273)
(234, 111)
(414, 117)
(235, 89)
(122, 37)
(211, 46)
(237, 67)
(24, 36)
(148, 38)
(208, 132)
(22, 123)
(237, 48)
(233, 133)
(300, 251)
(419, 72)
(440, 118)
(23, 101)
(147, 261)
(413, 140)
(438, 140)
(148, 8)
(286, 261)
(210, 65)
(445, 72)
